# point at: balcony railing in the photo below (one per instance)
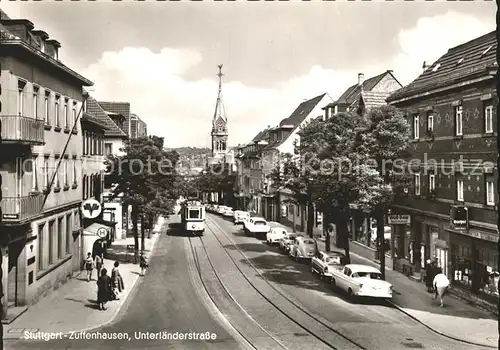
(17, 209)
(18, 129)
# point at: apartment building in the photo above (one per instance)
(453, 202)
(40, 102)
(115, 139)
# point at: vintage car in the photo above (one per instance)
(276, 235)
(239, 216)
(257, 227)
(362, 281)
(303, 248)
(221, 209)
(324, 263)
(288, 241)
(228, 212)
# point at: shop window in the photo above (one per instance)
(462, 265)
(417, 184)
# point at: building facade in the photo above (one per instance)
(453, 201)
(115, 139)
(40, 103)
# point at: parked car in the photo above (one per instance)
(228, 212)
(303, 248)
(239, 216)
(221, 209)
(276, 235)
(257, 227)
(289, 240)
(324, 263)
(362, 281)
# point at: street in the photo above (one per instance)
(291, 308)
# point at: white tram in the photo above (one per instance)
(193, 218)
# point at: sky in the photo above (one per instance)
(162, 57)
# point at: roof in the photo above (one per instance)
(262, 135)
(8, 39)
(471, 58)
(96, 121)
(374, 99)
(122, 108)
(353, 93)
(362, 268)
(95, 109)
(297, 117)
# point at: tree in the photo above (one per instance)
(385, 138)
(218, 178)
(145, 176)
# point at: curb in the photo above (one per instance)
(437, 331)
(126, 301)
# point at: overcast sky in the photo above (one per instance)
(163, 57)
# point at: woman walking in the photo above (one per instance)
(116, 278)
(89, 266)
(104, 289)
(143, 263)
(440, 283)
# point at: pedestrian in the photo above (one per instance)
(98, 264)
(116, 278)
(143, 263)
(89, 266)
(104, 289)
(429, 275)
(441, 284)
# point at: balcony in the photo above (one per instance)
(17, 129)
(21, 209)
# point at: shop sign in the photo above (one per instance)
(482, 235)
(399, 219)
(459, 217)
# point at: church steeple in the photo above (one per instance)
(219, 123)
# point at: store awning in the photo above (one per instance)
(97, 229)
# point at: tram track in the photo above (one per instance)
(307, 318)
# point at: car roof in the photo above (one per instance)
(362, 268)
(333, 254)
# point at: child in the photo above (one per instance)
(89, 266)
(143, 263)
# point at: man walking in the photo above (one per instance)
(441, 284)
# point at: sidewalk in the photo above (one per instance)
(73, 306)
(456, 319)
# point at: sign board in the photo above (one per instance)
(10, 216)
(102, 232)
(399, 219)
(91, 209)
(459, 217)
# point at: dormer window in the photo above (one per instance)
(42, 46)
(436, 67)
(56, 54)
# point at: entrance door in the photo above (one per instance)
(442, 258)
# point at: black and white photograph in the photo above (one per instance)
(224, 175)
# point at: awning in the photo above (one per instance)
(96, 229)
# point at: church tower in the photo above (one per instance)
(219, 125)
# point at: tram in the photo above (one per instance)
(193, 217)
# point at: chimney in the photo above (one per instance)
(361, 78)
(426, 65)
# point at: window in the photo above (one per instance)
(432, 182)
(46, 108)
(84, 184)
(58, 184)
(41, 240)
(417, 184)
(74, 172)
(60, 238)
(416, 126)
(85, 143)
(458, 121)
(20, 98)
(74, 115)
(430, 123)
(69, 234)
(58, 121)
(34, 175)
(42, 46)
(51, 241)
(46, 178)
(460, 190)
(66, 114)
(490, 193)
(66, 172)
(108, 149)
(488, 118)
(35, 102)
